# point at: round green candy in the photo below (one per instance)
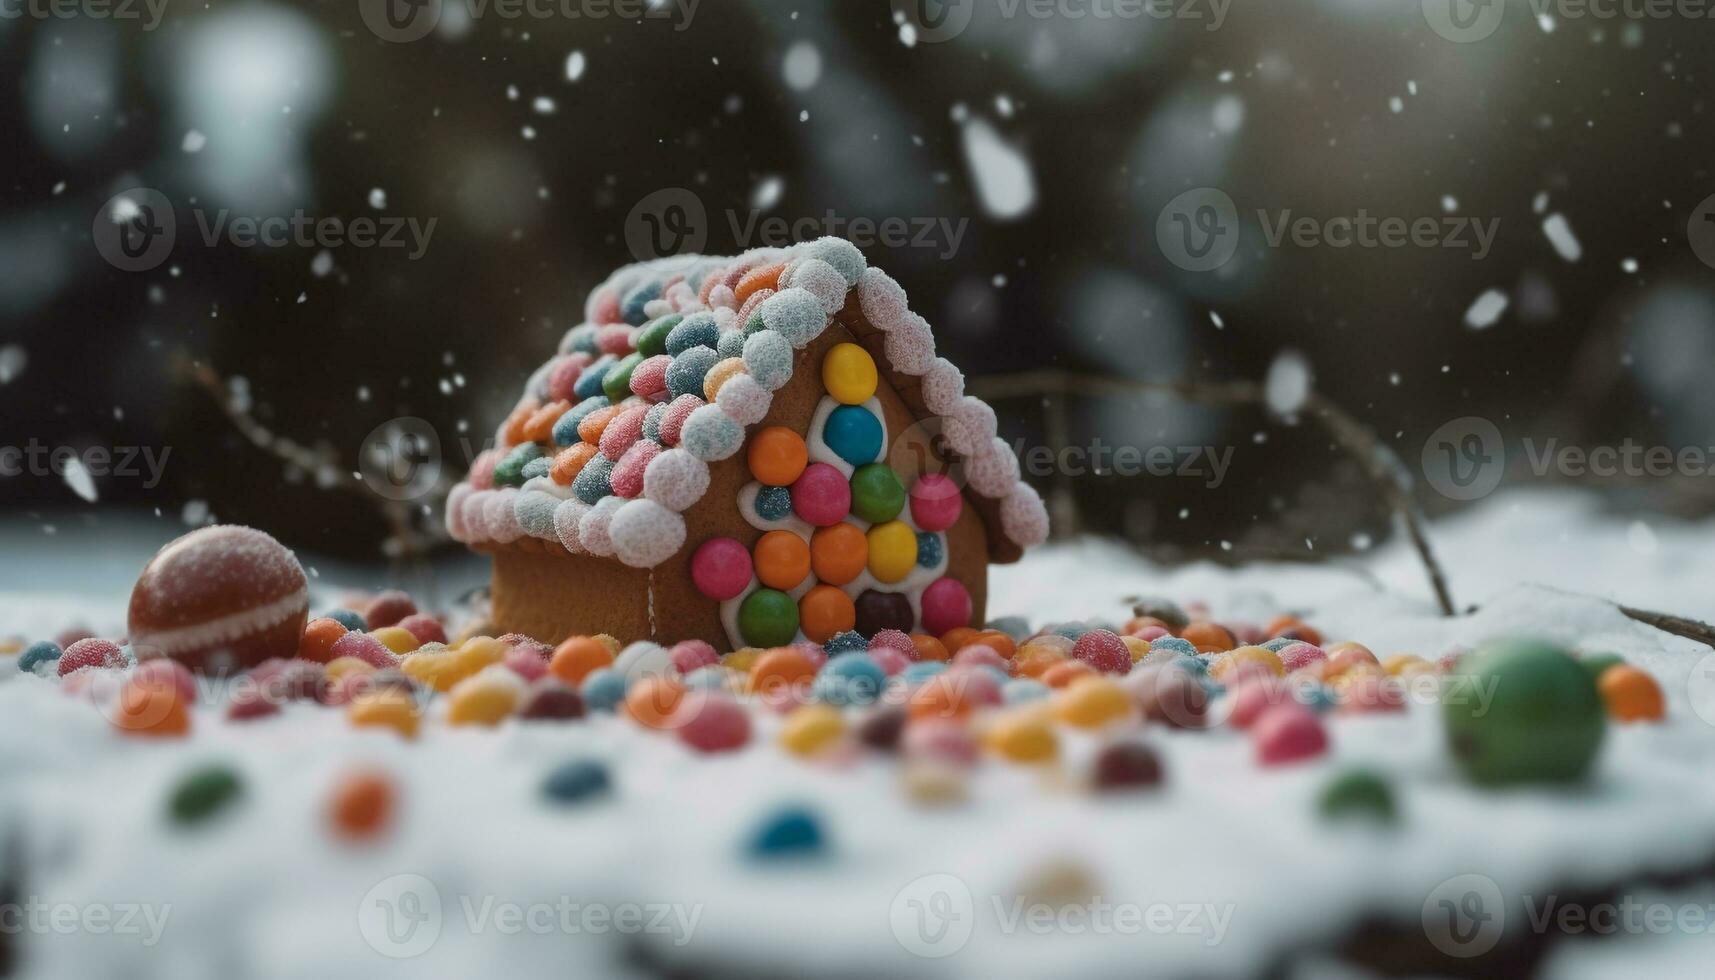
(616, 384)
(652, 339)
(509, 472)
(877, 494)
(768, 618)
(1597, 664)
(1361, 794)
(203, 794)
(1521, 713)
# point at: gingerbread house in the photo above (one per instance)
(749, 451)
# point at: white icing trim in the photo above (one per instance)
(226, 629)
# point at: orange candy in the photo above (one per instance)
(513, 430)
(782, 560)
(1631, 694)
(1209, 638)
(152, 709)
(570, 462)
(1136, 623)
(318, 640)
(839, 553)
(777, 456)
(929, 648)
(540, 426)
(576, 658)
(593, 424)
(1065, 672)
(762, 277)
(779, 667)
(1035, 660)
(959, 637)
(1345, 656)
(651, 701)
(362, 806)
(940, 697)
(998, 641)
(824, 611)
(1295, 626)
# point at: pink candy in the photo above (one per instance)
(693, 654)
(1300, 655)
(614, 339)
(565, 375)
(976, 654)
(624, 430)
(935, 502)
(90, 653)
(821, 495)
(627, 476)
(1288, 733)
(526, 663)
(426, 628)
(939, 741)
(170, 673)
(721, 568)
(710, 722)
(894, 640)
(1103, 650)
(1151, 633)
(673, 420)
(1250, 699)
(364, 647)
(1370, 694)
(649, 378)
(946, 606)
(890, 661)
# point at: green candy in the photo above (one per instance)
(768, 618)
(877, 494)
(203, 794)
(1597, 664)
(509, 472)
(1523, 713)
(616, 384)
(1359, 794)
(652, 339)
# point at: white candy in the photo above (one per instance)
(645, 534)
(676, 479)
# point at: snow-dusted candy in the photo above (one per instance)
(722, 296)
(633, 308)
(768, 359)
(849, 641)
(622, 432)
(841, 254)
(509, 472)
(691, 655)
(696, 330)
(589, 383)
(616, 384)
(628, 473)
(535, 513)
(882, 300)
(567, 514)
(615, 339)
(773, 503)
(711, 435)
(564, 376)
(90, 652)
(1023, 516)
(822, 281)
(603, 306)
(649, 378)
(387, 608)
(723, 371)
(455, 511)
(594, 529)
(565, 431)
(994, 471)
(644, 533)
(1103, 650)
(1288, 732)
(910, 346)
(675, 479)
(652, 337)
(673, 420)
(763, 278)
(482, 469)
(657, 412)
(685, 375)
(744, 400)
(731, 344)
(970, 428)
(795, 314)
(364, 647)
(38, 654)
(499, 517)
(426, 628)
(594, 480)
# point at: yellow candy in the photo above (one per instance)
(1399, 662)
(472, 630)
(892, 551)
(1136, 647)
(396, 638)
(606, 640)
(720, 374)
(1023, 738)
(9, 647)
(486, 699)
(1229, 662)
(812, 729)
(848, 372)
(386, 708)
(1091, 702)
(929, 784)
(742, 660)
(341, 666)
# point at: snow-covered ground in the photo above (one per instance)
(1226, 871)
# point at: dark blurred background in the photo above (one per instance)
(1049, 138)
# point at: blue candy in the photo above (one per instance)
(1177, 644)
(594, 481)
(566, 429)
(1278, 644)
(1071, 631)
(588, 384)
(631, 307)
(854, 434)
(774, 503)
(1318, 699)
(576, 781)
(1016, 627)
(731, 344)
(917, 673)
(696, 330)
(1023, 690)
(851, 641)
(930, 550)
(1194, 664)
(603, 689)
(540, 466)
(350, 619)
(685, 375)
(793, 832)
(44, 652)
(852, 679)
(652, 421)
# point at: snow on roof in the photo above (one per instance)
(613, 436)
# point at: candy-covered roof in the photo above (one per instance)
(612, 438)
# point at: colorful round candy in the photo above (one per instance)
(849, 374)
(854, 434)
(877, 494)
(946, 606)
(711, 722)
(721, 568)
(773, 503)
(821, 495)
(768, 618)
(935, 502)
(825, 612)
(777, 456)
(1523, 713)
(782, 560)
(892, 551)
(838, 553)
(879, 612)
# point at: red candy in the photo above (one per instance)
(614, 339)
(710, 722)
(90, 653)
(426, 628)
(894, 639)
(947, 606)
(721, 568)
(627, 476)
(364, 647)
(1104, 651)
(565, 375)
(1253, 697)
(821, 495)
(1297, 655)
(220, 599)
(935, 502)
(673, 420)
(1288, 733)
(622, 432)
(387, 609)
(526, 662)
(692, 654)
(649, 378)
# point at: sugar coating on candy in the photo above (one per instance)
(1297, 655)
(633, 307)
(627, 477)
(747, 310)
(613, 339)
(970, 427)
(882, 300)
(685, 375)
(773, 503)
(482, 469)
(649, 377)
(696, 330)
(652, 421)
(37, 654)
(910, 345)
(841, 254)
(943, 386)
(692, 655)
(711, 435)
(1286, 733)
(589, 382)
(566, 519)
(724, 370)
(675, 479)
(595, 480)
(673, 420)
(623, 431)
(564, 375)
(931, 550)
(795, 314)
(644, 533)
(745, 401)
(652, 337)
(731, 344)
(821, 281)
(364, 647)
(1023, 516)
(90, 652)
(455, 513)
(535, 513)
(768, 359)
(992, 472)
(499, 517)
(593, 528)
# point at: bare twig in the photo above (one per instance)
(1690, 629)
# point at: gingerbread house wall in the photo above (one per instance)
(542, 591)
